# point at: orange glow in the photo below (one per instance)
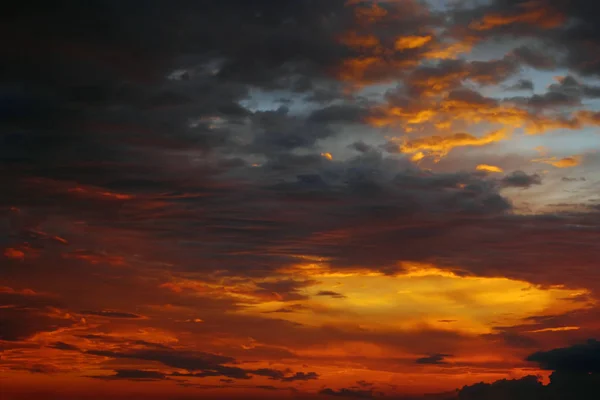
(566, 162)
(353, 40)
(447, 51)
(417, 297)
(558, 329)
(534, 12)
(370, 14)
(411, 42)
(14, 254)
(488, 168)
(115, 261)
(90, 192)
(417, 157)
(439, 146)
(327, 156)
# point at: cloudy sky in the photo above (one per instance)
(302, 199)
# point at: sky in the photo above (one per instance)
(300, 199)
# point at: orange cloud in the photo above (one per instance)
(439, 146)
(534, 12)
(100, 193)
(557, 329)
(447, 51)
(488, 168)
(566, 162)
(468, 107)
(355, 41)
(97, 258)
(14, 254)
(411, 42)
(417, 156)
(327, 156)
(369, 14)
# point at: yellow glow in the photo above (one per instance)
(488, 168)
(422, 295)
(327, 156)
(441, 145)
(417, 157)
(558, 329)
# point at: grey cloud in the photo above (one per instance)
(522, 84)
(520, 179)
(534, 57)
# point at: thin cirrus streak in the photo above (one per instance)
(300, 199)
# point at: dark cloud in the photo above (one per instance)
(339, 113)
(349, 393)
(146, 145)
(331, 294)
(199, 365)
(581, 358)
(520, 179)
(436, 359)
(534, 58)
(527, 388)
(134, 375)
(576, 376)
(64, 346)
(24, 313)
(301, 376)
(112, 314)
(522, 84)
(209, 364)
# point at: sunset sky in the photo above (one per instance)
(300, 199)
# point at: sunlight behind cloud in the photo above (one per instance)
(422, 295)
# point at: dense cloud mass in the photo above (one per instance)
(575, 376)
(341, 198)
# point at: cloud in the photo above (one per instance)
(331, 294)
(575, 376)
(527, 388)
(134, 375)
(520, 179)
(522, 84)
(533, 13)
(176, 158)
(435, 359)
(566, 162)
(488, 168)
(580, 358)
(25, 313)
(535, 58)
(112, 314)
(440, 146)
(349, 393)
(199, 365)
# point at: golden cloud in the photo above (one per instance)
(566, 162)
(440, 146)
(412, 42)
(488, 168)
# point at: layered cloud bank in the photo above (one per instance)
(304, 199)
